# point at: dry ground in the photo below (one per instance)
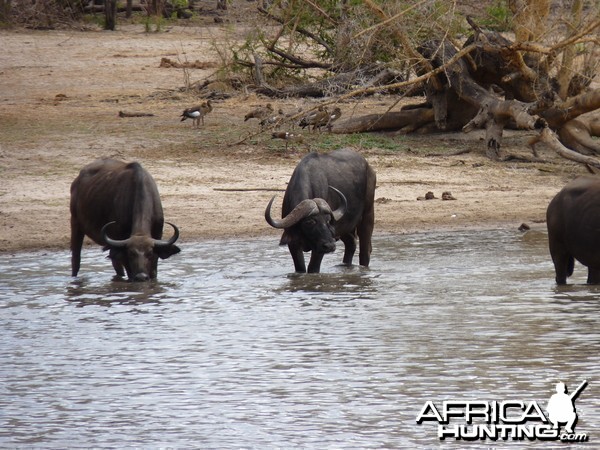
(59, 103)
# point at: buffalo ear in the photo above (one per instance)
(165, 252)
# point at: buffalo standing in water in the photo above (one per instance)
(329, 197)
(573, 219)
(122, 199)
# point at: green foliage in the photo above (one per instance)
(94, 19)
(179, 4)
(499, 17)
(155, 20)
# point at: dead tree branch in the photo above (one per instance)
(548, 137)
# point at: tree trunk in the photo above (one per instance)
(406, 121)
(5, 11)
(566, 68)
(110, 14)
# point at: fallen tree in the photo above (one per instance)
(494, 87)
(540, 80)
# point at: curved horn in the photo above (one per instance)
(112, 242)
(304, 209)
(161, 243)
(339, 213)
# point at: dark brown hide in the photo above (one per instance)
(120, 201)
(310, 210)
(573, 219)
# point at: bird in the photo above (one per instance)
(260, 113)
(287, 137)
(197, 113)
(316, 118)
(335, 115)
(273, 120)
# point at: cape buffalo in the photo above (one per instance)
(329, 197)
(110, 197)
(573, 219)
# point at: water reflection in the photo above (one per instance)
(345, 283)
(83, 292)
(227, 350)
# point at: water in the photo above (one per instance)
(231, 350)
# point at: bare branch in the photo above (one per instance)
(299, 61)
(323, 13)
(423, 63)
(389, 19)
(299, 30)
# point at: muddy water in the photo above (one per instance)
(231, 350)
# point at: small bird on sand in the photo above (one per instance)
(260, 113)
(287, 137)
(197, 113)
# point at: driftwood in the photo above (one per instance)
(135, 114)
(548, 137)
(576, 132)
(406, 121)
(92, 8)
(578, 135)
(169, 63)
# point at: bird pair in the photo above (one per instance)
(197, 113)
(267, 116)
(320, 118)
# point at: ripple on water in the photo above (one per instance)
(230, 349)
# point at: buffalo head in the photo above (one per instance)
(139, 254)
(310, 223)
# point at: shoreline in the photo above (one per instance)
(194, 239)
(55, 121)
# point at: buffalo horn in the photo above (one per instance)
(304, 209)
(112, 242)
(161, 243)
(339, 213)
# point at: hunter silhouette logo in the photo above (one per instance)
(561, 406)
(510, 419)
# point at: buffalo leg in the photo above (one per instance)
(314, 266)
(116, 263)
(76, 244)
(593, 276)
(298, 257)
(365, 232)
(349, 248)
(561, 266)
(118, 268)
